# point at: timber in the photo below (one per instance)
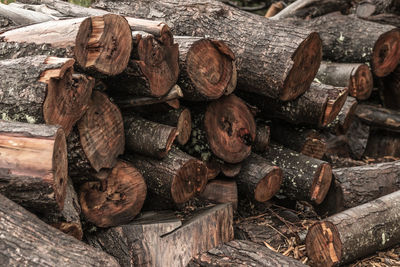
(221, 191)
(21, 16)
(341, 124)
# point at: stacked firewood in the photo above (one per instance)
(109, 118)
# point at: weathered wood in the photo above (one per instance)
(258, 179)
(356, 232)
(26, 240)
(379, 117)
(389, 89)
(367, 8)
(161, 241)
(382, 143)
(386, 18)
(21, 16)
(304, 178)
(42, 89)
(283, 67)
(342, 122)
(356, 77)
(33, 165)
(263, 135)
(221, 191)
(119, 202)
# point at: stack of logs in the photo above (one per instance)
(108, 118)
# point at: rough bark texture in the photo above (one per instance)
(356, 77)
(258, 179)
(356, 232)
(304, 178)
(263, 136)
(367, 8)
(379, 117)
(221, 191)
(243, 253)
(389, 87)
(390, 19)
(21, 16)
(283, 67)
(28, 241)
(344, 119)
(161, 241)
(382, 143)
(33, 165)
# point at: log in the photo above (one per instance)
(98, 140)
(230, 170)
(282, 74)
(221, 191)
(274, 9)
(26, 240)
(318, 106)
(379, 117)
(263, 135)
(173, 180)
(356, 232)
(367, 8)
(342, 122)
(389, 89)
(22, 16)
(357, 77)
(33, 165)
(242, 253)
(148, 138)
(304, 178)
(101, 45)
(159, 240)
(382, 143)
(348, 39)
(213, 168)
(258, 179)
(42, 89)
(206, 66)
(119, 202)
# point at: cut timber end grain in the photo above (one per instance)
(386, 53)
(119, 202)
(336, 99)
(230, 128)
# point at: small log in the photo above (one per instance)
(148, 138)
(173, 180)
(119, 202)
(342, 122)
(356, 232)
(274, 9)
(367, 8)
(206, 67)
(382, 143)
(304, 178)
(159, 240)
(22, 16)
(263, 135)
(41, 89)
(379, 117)
(258, 179)
(243, 253)
(26, 240)
(33, 165)
(221, 191)
(389, 90)
(356, 77)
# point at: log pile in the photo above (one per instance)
(112, 116)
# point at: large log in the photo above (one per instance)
(377, 117)
(356, 232)
(160, 240)
(33, 165)
(27, 241)
(283, 67)
(42, 89)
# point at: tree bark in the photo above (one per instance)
(356, 232)
(26, 240)
(285, 72)
(341, 124)
(243, 253)
(356, 77)
(119, 202)
(206, 66)
(367, 8)
(258, 179)
(263, 136)
(174, 180)
(221, 191)
(42, 89)
(382, 143)
(22, 16)
(33, 165)
(304, 178)
(386, 18)
(379, 117)
(389, 89)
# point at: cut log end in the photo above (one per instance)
(104, 44)
(119, 202)
(184, 127)
(230, 128)
(269, 185)
(306, 60)
(60, 166)
(70, 228)
(314, 146)
(190, 179)
(321, 183)
(209, 67)
(386, 53)
(336, 100)
(323, 244)
(361, 83)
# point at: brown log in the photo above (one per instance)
(33, 165)
(379, 117)
(159, 240)
(213, 168)
(284, 74)
(342, 122)
(356, 232)
(367, 8)
(26, 240)
(221, 191)
(389, 89)
(148, 138)
(274, 9)
(318, 106)
(119, 202)
(382, 143)
(99, 139)
(206, 66)
(41, 89)
(174, 180)
(258, 179)
(356, 77)
(263, 135)
(304, 178)
(243, 253)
